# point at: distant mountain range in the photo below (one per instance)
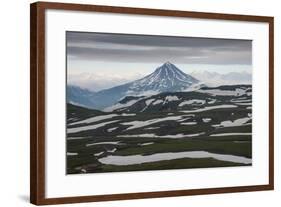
(166, 78)
(79, 96)
(216, 79)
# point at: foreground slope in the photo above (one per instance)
(211, 127)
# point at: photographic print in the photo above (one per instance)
(160, 99)
(147, 102)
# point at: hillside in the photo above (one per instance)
(210, 127)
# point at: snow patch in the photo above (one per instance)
(159, 101)
(90, 127)
(124, 114)
(71, 153)
(99, 143)
(172, 136)
(210, 108)
(120, 105)
(147, 143)
(193, 101)
(206, 120)
(212, 101)
(237, 122)
(111, 151)
(112, 129)
(244, 104)
(149, 101)
(230, 134)
(139, 124)
(189, 123)
(94, 119)
(218, 92)
(74, 138)
(171, 98)
(241, 100)
(139, 159)
(149, 128)
(98, 154)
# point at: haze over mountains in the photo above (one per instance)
(166, 78)
(217, 79)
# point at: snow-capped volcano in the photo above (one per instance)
(166, 78)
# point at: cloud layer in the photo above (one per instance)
(147, 49)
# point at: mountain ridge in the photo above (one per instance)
(175, 101)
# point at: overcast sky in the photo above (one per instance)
(118, 58)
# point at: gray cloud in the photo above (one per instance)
(148, 48)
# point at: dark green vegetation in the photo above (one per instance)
(219, 124)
